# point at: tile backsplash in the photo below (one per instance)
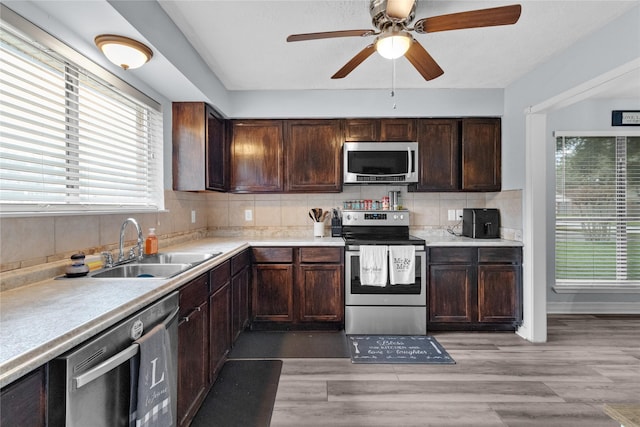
(28, 243)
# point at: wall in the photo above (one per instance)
(587, 60)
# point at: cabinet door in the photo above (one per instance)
(397, 130)
(439, 155)
(257, 156)
(452, 293)
(188, 134)
(219, 328)
(273, 292)
(481, 151)
(193, 347)
(217, 150)
(193, 365)
(240, 302)
(320, 293)
(23, 402)
(362, 130)
(313, 155)
(499, 293)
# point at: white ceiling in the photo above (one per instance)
(244, 42)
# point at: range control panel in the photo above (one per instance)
(380, 218)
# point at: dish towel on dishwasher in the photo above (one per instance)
(373, 265)
(403, 266)
(150, 380)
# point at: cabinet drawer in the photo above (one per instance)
(238, 262)
(324, 255)
(451, 255)
(220, 275)
(281, 255)
(193, 294)
(500, 255)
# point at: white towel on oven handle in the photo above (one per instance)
(403, 266)
(373, 265)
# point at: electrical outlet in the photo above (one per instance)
(193, 216)
(459, 213)
(248, 215)
(451, 214)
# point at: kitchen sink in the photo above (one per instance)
(137, 270)
(177, 258)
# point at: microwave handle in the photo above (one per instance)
(411, 160)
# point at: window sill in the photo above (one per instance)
(598, 288)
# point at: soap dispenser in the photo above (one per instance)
(151, 244)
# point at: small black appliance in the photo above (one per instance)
(481, 223)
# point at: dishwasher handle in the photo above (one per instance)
(114, 361)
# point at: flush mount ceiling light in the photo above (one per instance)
(123, 51)
(393, 44)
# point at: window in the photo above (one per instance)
(70, 140)
(597, 210)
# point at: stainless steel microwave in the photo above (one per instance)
(380, 162)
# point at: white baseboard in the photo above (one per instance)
(593, 307)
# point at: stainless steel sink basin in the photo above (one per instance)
(136, 270)
(177, 258)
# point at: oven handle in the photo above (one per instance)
(115, 361)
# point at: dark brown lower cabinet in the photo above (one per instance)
(219, 329)
(475, 288)
(297, 288)
(240, 276)
(193, 348)
(219, 317)
(23, 402)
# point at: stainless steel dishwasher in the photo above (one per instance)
(90, 385)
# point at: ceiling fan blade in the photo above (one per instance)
(330, 35)
(423, 62)
(355, 61)
(504, 15)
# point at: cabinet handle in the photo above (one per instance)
(195, 310)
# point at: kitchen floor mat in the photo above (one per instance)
(243, 395)
(397, 349)
(281, 344)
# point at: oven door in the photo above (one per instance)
(395, 295)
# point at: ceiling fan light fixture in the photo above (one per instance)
(393, 45)
(123, 51)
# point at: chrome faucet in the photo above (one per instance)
(140, 240)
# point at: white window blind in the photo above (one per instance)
(69, 140)
(597, 210)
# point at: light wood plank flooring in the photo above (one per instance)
(499, 379)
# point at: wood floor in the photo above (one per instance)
(499, 379)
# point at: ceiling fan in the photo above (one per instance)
(393, 39)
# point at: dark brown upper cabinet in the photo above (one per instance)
(439, 155)
(200, 148)
(481, 154)
(367, 130)
(459, 155)
(397, 129)
(257, 153)
(313, 156)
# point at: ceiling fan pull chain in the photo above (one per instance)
(393, 82)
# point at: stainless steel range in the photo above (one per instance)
(379, 305)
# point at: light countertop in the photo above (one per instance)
(42, 321)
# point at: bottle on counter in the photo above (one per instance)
(151, 243)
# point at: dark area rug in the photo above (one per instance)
(243, 395)
(279, 345)
(397, 349)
